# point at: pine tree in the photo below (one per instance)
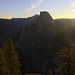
(4, 69)
(13, 59)
(65, 60)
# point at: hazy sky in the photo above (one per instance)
(26, 8)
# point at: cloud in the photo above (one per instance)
(39, 2)
(33, 6)
(73, 3)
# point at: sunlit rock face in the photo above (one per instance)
(46, 17)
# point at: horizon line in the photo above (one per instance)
(31, 16)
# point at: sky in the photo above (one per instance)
(27, 8)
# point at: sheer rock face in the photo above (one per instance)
(46, 17)
(35, 43)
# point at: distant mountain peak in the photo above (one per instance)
(46, 17)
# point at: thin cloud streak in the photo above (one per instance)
(73, 3)
(39, 2)
(33, 6)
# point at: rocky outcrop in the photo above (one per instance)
(35, 43)
(22, 22)
(45, 17)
